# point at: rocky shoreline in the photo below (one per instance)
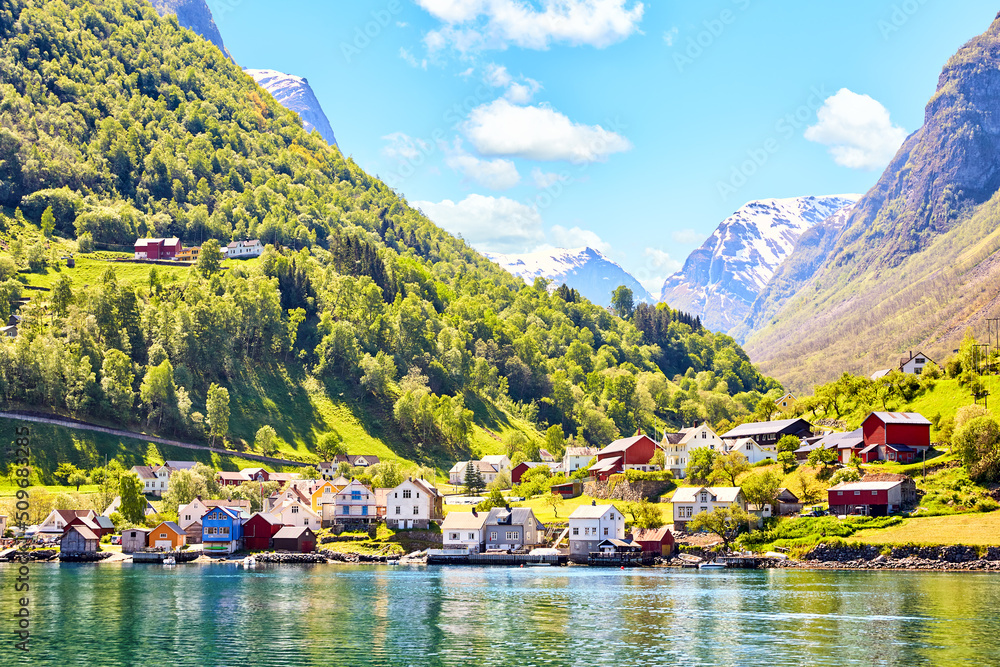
(872, 557)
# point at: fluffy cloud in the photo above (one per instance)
(404, 148)
(496, 24)
(659, 265)
(687, 236)
(520, 90)
(670, 35)
(495, 174)
(538, 133)
(411, 60)
(492, 224)
(857, 129)
(577, 237)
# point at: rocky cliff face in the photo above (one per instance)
(294, 92)
(721, 279)
(584, 269)
(193, 15)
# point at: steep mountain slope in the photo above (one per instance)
(295, 93)
(721, 279)
(586, 270)
(193, 15)
(917, 261)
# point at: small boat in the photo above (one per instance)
(538, 564)
(170, 560)
(394, 561)
(711, 565)
(249, 561)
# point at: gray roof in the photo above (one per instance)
(914, 418)
(463, 521)
(591, 511)
(290, 532)
(518, 516)
(757, 428)
(720, 494)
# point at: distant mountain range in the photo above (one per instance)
(290, 91)
(721, 280)
(586, 270)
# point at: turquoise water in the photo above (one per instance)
(124, 614)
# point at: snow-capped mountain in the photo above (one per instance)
(584, 269)
(721, 279)
(193, 15)
(293, 92)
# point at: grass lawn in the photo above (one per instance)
(968, 529)
(89, 269)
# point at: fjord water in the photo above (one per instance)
(356, 615)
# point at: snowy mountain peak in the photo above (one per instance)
(721, 279)
(294, 92)
(586, 270)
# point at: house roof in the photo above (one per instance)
(914, 418)
(496, 459)
(229, 511)
(620, 544)
(518, 516)
(69, 515)
(869, 448)
(172, 526)
(913, 355)
(591, 511)
(651, 534)
(877, 375)
(864, 486)
(581, 451)
(605, 464)
(673, 438)
(758, 428)
(104, 522)
(787, 496)
(722, 494)
(623, 444)
(87, 533)
(291, 532)
(226, 503)
(847, 440)
(232, 475)
(181, 465)
(463, 521)
(899, 448)
(427, 486)
(145, 472)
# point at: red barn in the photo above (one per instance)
(635, 453)
(899, 436)
(258, 531)
(158, 248)
(521, 468)
(866, 497)
(659, 541)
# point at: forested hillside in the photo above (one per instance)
(117, 124)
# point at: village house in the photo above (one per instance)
(355, 503)
(324, 494)
(244, 249)
(656, 541)
(78, 539)
(895, 436)
(567, 490)
(907, 488)
(156, 479)
(463, 530)
(262, 475)
(231, 478)
(168, 535)
(914, 363)
(297, 539)
(635, 453)
(786, 402)
(846, 445)
(589, 524)
(867, 497)
(511, 529)
(767, 434)
(456, 476)
(691, 500)
(615, 546)
(677, 447)
(100, 525)
(189, 516)
(788, 503)
(188, 254)
(158, 248)
(329, 468)
(222, 530)
(753, 452)
(134, 539)
(415, 503)
(546, 456)
(498, 461)
(296, 512)
(57, 520)
(577, 457)
(524, 466)
(258, 531)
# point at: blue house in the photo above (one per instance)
(222, 530)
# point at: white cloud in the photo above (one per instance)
(492, 224)
(857, 129)
(411, 60)
(496, 24)
(658, 267)
(687, 236)
(495, 174)
(670, 35)
(546, 179)
(404, 148)
(520, 90)
(577, 237)
(497, 76)
(538, 133)
(661, 261)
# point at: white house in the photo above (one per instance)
(244, 249)
(677, 447)
(463, 530)
(498, 461)
(691, 500)
(413, 504)
(156, 479)
(55, 523)
(914, 363)
(355, 502)
(577, 457)
(753, 452)
(589, 525)
(295, 512)
(456, 475)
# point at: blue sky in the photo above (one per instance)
(631, 127)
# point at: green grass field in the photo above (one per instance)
(969, 529)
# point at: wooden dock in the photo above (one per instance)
(746, 562)
(158, 556)
(619, 559)
(514, 560)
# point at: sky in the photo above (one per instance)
(630, 127)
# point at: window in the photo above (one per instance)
(576, 530)
(416, 510)
(187, 517)
(840, 493)
(452, 536)
(857, 493)
(512, 535)
(399, 510)
(749, 447)
(163, 534)
(472, 536)
(702, 509)
(406, 493)
(224, 530)
(920, 360)
(704, 435)
(346, 510)
(704, 497)
(418, 494)
(355, 495)
(605, 532)
(493, 537)
(364, 510)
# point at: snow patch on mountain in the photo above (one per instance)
(721, 279)
(295, 93)
(586, 270)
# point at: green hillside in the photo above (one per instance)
(363, 326)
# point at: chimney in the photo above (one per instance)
(593, 503)
(199, 498)
(474, 512)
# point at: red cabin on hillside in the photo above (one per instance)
(895, 436)
(258, 531)
(635, 453)
(158, 248)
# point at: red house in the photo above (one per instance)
(158, 248)
(870, 498)
(258, 531)
(569, 489)
(635, 453)
(99, 525)
(895, 436)
(659, 541)
(521, 468)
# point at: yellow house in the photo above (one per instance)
(786, 402)
(325, 494)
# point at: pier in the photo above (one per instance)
(495, 559)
